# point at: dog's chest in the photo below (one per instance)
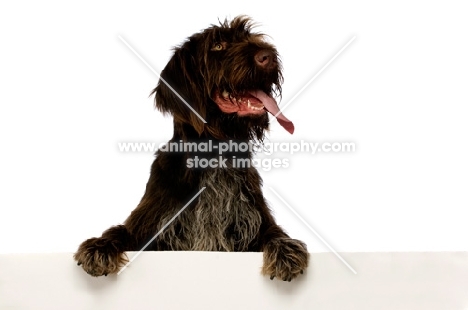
(224, 219)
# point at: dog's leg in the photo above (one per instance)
(283, 257)
(105, 255)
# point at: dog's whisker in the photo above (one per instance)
(314, 77)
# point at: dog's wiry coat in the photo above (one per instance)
(228, 74)
(222, 220)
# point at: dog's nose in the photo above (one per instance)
(265, 59)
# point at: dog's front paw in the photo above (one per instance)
(99, 256)
(284, 259)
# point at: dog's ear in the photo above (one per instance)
(181, 78)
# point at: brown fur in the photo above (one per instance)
(231, 214)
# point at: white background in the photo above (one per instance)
(71, 90)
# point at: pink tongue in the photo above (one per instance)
(272, 107)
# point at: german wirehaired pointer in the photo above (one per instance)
(228, 75)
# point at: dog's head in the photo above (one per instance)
(228, 75)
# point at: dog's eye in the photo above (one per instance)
(218, 47)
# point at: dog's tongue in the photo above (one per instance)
(270, 105)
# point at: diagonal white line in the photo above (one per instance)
(161, 230)
(313, 230)
(163, 80)
(315, 76)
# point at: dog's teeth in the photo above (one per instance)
(248, 103)
(225, 94)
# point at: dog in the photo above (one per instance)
(218, 87)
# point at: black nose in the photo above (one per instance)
(266, 59)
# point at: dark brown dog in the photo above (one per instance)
(227, 74)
